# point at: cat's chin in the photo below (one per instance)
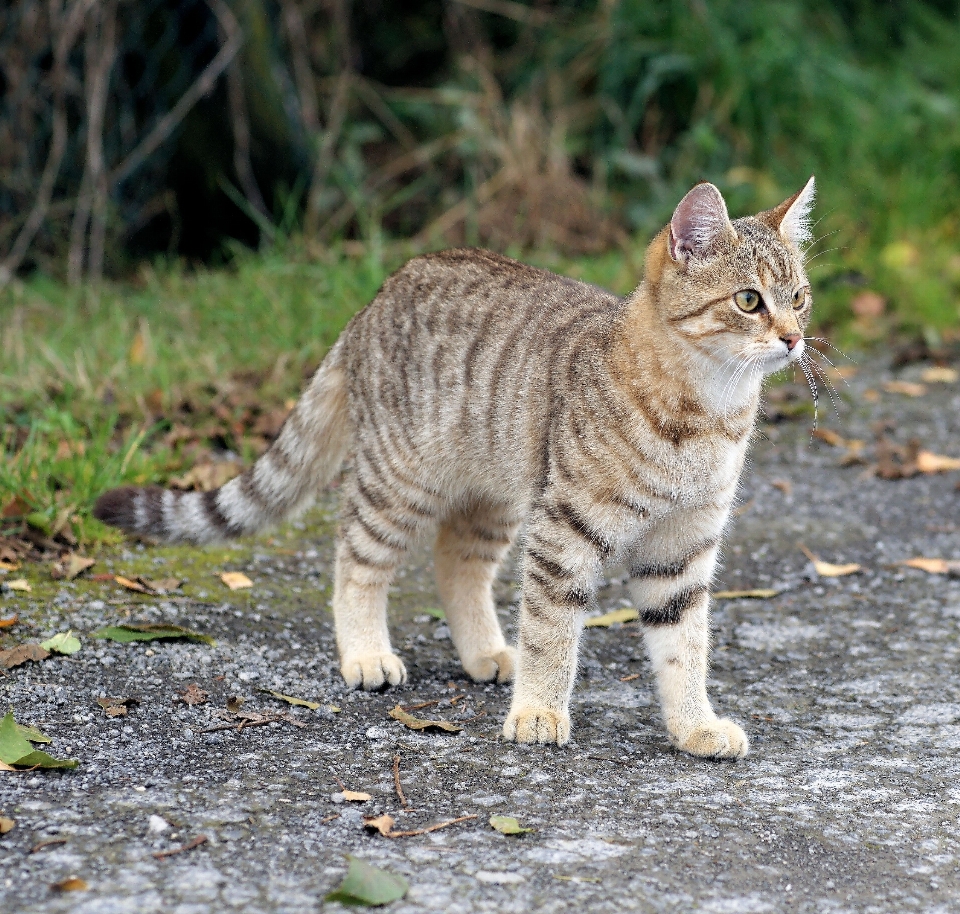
(775, 362)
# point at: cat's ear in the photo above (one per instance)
(699, 222)
(792, 217)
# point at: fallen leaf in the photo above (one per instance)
(7, 565)
(367, 885)
(357, 796)
(300, 702)
(194, 695)
(845, 371)
(6, 623)
(130, 585)
(784, 485)
(19, 584)
(612, 617)
(161, 585)
(937, 374)
(138, 349)
(116, 707)
(33, 734)
(16, 507)
(205, 477)
(234, 703)
(868, 304)
(759, 593)
(828, 436)
(907, 388)
(826, 570)
(72, 884)
(15, 749)
(871, 395)
(896, 461)
(933, 566)
(71, 566)
(382, 824)
(149, 631)
(333, 709)
(21, 654)
(6, 825)
(507, 825)
(417, 723)
(62, 643)
(236, 580)
(936, 463)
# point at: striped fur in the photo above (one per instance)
(475, 394)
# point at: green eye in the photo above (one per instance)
(799, 298)
(748, 300)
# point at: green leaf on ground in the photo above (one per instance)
(149, 631)
(418, 723)
(33, 734)
(436, 613)
(367, 885)
(62, 643)
(507, 825)
(15, 749)
(300, 702)
(612, 618)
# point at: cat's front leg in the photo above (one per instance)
(676, 629)
(560, 567)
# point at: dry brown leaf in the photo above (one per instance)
(845, 371)
(194, 695)
(160, 585)
(6, 825)
(382, 824)
(116, 707)
(6, 623)
(5, 767)
(828, 436)
(936, 463)
(871, 395)
(236, 580)
(9, 565)
(612, 618)
(19, 584)
(937, 374)
(205, 477)
(130, 585)
(907, 388)
(868, 304)
(16, 507)
(234, 703)
(826, 570)
(933, 566)
(71, 884)
(417, 723)
(784, 485)
(357, 796)
(70, 566)
(21, 654)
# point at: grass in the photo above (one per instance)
(137, 382)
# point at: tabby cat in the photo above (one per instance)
(476, 394)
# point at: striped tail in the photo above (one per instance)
(307, 453)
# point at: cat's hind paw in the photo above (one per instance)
(538, 725)
(373, 671)
(716, 739)
(499, 665)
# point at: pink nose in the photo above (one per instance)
(791, 339)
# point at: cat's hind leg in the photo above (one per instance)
(470, 547)
(378, 524)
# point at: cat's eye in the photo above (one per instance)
(800, 298)
(748, 300)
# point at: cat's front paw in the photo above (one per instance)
(372, 671)
(487, 667)
(538, 725)
(719, 738)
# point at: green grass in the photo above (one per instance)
(93, 382)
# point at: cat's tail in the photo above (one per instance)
(306, 455)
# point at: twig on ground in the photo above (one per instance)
(189, 846)
(48, 843)
(396, 780)
(423, 831)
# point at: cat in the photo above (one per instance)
(476, 394)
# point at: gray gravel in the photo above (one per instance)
(849, 800)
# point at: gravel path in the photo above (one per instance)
(848, 688)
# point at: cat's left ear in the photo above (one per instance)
(792, 217)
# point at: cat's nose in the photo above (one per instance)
(791, 339)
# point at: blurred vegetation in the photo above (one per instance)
(338, 139)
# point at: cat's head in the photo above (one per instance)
(736, 291)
